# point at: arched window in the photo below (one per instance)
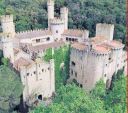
(40, 97)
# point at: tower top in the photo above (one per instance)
(6, 18)
(63, 10)
(50, 2)
(57, 21)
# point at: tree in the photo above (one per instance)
(72, 99)
(116, 98)
(5, 61)
(10, 89)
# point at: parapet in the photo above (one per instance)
(57, 21)
(64, 10)
(50, 2)
(6, 18)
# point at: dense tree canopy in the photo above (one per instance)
(10, 89)
(72, 99)
(83, 14)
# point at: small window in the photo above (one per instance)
(105, 75)
(70, 39)
(48, 68)
(27, 74)
(34, 72)
(106, 64)
(109, 58)
(42, 70)
(73, 39)
(56, 31)
(37, 40)
(48, 38)
(66, 38)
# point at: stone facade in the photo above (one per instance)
(95, 59)
(92, 59)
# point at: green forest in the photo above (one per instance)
(83, 14)
(70, 98)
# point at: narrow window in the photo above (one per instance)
(75, 74)
(73, 63)
(27, 74)
(72, 72)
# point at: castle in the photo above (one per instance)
(91, 59)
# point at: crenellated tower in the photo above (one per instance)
(8, 35)
(50, 8)
(64, 16)
(8, 24)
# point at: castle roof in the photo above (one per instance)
(22, 62)
(33, 33)
(79, 46)
(101, 49)
(114, 44)
(45, 46)
(98, 39)
(74, 32)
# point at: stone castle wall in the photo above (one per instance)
(39, 79)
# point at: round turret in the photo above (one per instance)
(57, 28)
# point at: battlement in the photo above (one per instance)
(50, 2)
(57, 21)
(31, 31)
(6, 18)
(64, 10)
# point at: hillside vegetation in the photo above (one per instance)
(84, 14)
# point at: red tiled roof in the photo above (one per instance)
(101, 49)
(74, 32)
(115, 44)
(22, 62)
(99, 39)
(79, 46)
